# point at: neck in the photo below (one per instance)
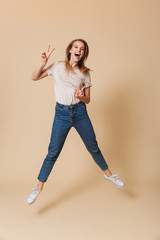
(73, 64)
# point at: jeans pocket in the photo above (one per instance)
(58, 108)
(82, 106)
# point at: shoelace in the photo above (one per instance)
(114, 175)
(35, 190)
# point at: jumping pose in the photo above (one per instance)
(72, 91)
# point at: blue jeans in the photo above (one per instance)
(67, 116)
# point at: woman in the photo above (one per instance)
(72, 91)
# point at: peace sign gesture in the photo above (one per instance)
(45, 55)
(79, 92)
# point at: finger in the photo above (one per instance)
(48, 48)
(79, 86)
(81, 95)
(50, 52)
(83, 88)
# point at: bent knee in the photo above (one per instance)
(93, 148)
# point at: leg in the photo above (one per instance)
(59, 133)
(40, 185)
(108, 172)
(60, 129)
(85, 129)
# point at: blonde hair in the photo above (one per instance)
(80, 64)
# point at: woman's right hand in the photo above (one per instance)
(45, 55)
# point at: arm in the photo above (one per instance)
(39, 72)
(83, 97)
(86, 97)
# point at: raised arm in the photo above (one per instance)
(40, 71)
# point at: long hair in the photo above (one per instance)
(81, 63)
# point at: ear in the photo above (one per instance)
(70, 51)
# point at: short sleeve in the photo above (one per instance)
(50, 68)
(87, 80)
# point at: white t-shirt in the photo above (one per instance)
(65, 83)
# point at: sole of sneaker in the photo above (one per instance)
(29, 203)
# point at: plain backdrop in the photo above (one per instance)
(123, 38)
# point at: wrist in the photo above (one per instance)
(42, 64)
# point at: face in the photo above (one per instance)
(77, 51)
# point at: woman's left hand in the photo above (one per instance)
(79, 93)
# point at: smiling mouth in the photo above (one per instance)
(77, 55)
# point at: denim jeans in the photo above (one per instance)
(67, 116)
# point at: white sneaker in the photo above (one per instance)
(113, 178)
(32, 196)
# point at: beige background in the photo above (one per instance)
(77, 203)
